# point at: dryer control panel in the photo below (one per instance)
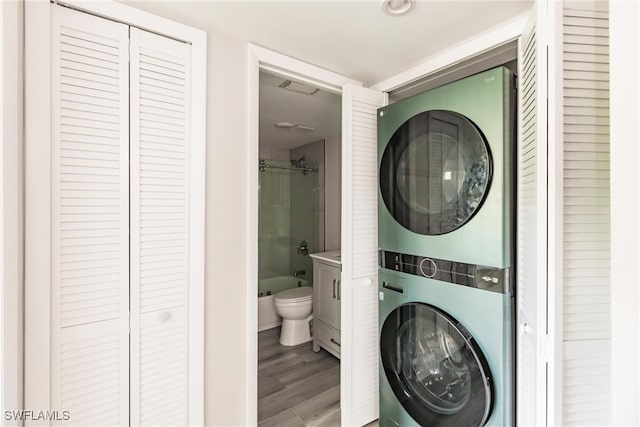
(475, 276)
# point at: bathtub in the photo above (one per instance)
(267, 317)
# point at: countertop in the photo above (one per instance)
(332, 257)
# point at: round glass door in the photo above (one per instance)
(435, 368)
(435, 172)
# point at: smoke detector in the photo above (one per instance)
(397, 7)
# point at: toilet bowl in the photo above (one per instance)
(294, 306)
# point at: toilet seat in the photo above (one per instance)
(294, 295)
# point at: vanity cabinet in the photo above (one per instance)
(326, 304)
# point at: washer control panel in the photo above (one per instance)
(475, 276)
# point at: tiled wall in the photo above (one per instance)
(274, 245)
(292, 209)
(307, 215)
(332, 193)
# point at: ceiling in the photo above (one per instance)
(354, 38)
(322, 111)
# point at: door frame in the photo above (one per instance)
(11, 208)
(37, 208)
(262, 59)
(500, 35)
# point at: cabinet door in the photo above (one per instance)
(328, 305)
(160, 229)
(90, 218)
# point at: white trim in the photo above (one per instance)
(265, 59)
(286, 66)
(555, 207)
(197, 225)
(116, 11)
(472, 47)
(37, 375)
(2, 280)
(624, 42)
(12, 213)
(253, 90)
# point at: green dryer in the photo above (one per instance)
(446, 223)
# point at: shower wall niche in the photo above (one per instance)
(291, 211)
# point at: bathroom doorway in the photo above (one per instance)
(298, 215)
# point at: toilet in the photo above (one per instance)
(294, 306)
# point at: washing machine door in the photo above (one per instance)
(435, 368)
(435, 172)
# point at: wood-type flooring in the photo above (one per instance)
(296, 387)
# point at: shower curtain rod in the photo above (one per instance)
(264, 165)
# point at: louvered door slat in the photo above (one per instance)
(160, 217)
(586, 219)
(90, 223)
(531, 239)
(359, 255)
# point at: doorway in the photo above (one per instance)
(299, 216)
(358, 366)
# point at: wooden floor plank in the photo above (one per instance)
(284, 419)
(296, 386)
(316, 411)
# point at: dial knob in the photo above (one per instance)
(428, 268)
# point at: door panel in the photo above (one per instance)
(329, 305)
(359, 297)
(160, 239)
(435, 368)
(531, 280)
(90, 219)
(435, 172)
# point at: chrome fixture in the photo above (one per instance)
(300, 163)
(263, 165)
(303, 248)
(299, 273)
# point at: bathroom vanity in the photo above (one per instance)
(326, 302)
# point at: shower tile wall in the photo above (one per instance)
(274, 253)
(292, 209)
(307, 207)
(332, 192)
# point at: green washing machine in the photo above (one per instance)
(446, 222)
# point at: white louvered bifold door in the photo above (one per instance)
(359, 311)
(90, 219)
(532, 228)
(586, 307)
(160, 200)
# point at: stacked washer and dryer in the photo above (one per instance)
(446, 237)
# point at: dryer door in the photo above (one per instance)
(435, 172)
(435, 368)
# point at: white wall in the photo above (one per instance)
(2, 125)
(624, 39)
(225, 247)
(12, 214)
